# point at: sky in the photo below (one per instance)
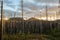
(31, 7)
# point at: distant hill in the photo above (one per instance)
(16, 18)
(32, 18)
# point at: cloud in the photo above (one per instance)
(46, 1)
(31, 7)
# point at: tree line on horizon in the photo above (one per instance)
(16, 25)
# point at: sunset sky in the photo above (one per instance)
(31, 7)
